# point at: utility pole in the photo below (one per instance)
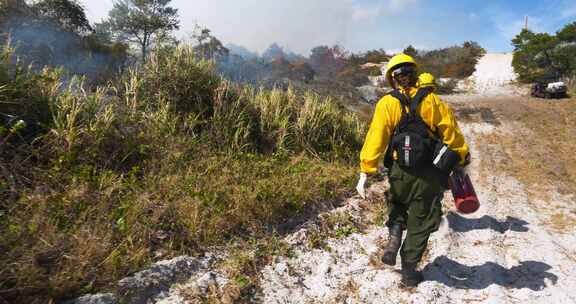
(526, 22)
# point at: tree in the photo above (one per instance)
(207, 46)
(142, 21)
(102, 31)
(451, 62)
(568, 33)
(328, 61)
(566, 49)
(68, 15)
(376, 56)
(301, 71)
(474, 49)
(468, 56)
(536, 56)
(320, 55)
(541, 56)
(411, 51)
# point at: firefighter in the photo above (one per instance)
(426, 80)
(416, 183)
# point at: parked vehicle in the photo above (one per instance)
(556, 89)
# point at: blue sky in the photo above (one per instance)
(360, 25)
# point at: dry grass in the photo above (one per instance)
(562, 222)
(349, 292)
(170, 160)
(539, 148)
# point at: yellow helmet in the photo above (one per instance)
(426, 80)
(396, 61)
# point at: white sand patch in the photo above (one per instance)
(477, 128)
(494, 75)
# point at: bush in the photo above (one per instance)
(454, 62)
(353, 75)
(447, 87)
(25, 94)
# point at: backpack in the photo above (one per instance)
(411, 141)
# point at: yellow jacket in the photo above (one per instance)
(435, 113)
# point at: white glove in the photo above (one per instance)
(361, 185)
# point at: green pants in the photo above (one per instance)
(416, 197)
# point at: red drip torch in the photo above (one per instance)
(463, 192)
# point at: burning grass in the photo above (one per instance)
(170, 160)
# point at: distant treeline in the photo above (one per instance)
(335, 63)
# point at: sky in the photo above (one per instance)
(361, 25)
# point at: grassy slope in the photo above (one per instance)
(170, 160)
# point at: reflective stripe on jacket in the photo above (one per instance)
(435, 113)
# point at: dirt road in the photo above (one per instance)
(519, 246)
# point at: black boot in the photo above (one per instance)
(391, 249)
(410, 276)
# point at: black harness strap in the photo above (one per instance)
(418, 98)
(404, 102)
(413, 104)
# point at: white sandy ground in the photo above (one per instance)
(506, 252)
(494, 75)
(503, 253)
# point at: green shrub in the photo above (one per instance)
(175, 76)
(26, 95)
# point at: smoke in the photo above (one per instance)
(41, 44)
(298, 24)
(372, 11)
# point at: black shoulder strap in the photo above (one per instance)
(420, 95)
(418, 98)
(402, 98)
(414, 102)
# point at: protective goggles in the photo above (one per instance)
(403, 70)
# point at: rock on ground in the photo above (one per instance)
(104, 298)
